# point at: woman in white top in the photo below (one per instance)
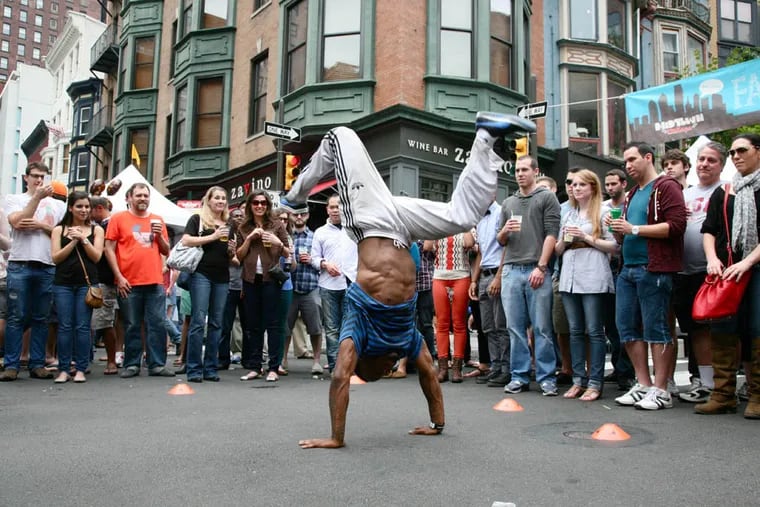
(585, 280)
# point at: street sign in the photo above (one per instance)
(282, 131)
(531, 111)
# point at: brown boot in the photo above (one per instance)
(723, 397)
(456, 371)
(443, 369)
(9, 375)
(753, 406)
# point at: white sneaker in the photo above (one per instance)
(317, 369)
(634, 394)
(673, 388)
(120, 359)
(655, 399)
(698, 393)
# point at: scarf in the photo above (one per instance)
(744, 226)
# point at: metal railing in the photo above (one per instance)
(104, 43)
(699, 9)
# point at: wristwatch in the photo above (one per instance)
(542, 267)
(635, 230)
(438, 427)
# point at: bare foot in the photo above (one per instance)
(320, 443)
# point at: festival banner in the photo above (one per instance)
(720, 100)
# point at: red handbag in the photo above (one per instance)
(719, 299)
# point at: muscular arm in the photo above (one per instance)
(432, 390)
(344, 368)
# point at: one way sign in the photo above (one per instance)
(531, 111)
(282, 131)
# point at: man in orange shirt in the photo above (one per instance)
(135, 241)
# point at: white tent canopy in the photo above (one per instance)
(160, 205)
(692, 179)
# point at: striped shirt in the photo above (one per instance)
(451, 259)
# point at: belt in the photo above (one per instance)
(488, 271)
(32, 264)
(577, 245)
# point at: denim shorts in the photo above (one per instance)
(643, 304)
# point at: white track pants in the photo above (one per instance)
(368, 209)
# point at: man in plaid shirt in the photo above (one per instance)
(305, 289)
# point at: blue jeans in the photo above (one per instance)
(208, 300)
(29, 297)
(73, 327)
(643, 304)
(261, 301)
(525, 306)
(332, 316)
(585, 312)
(144, 304)
(171, 327)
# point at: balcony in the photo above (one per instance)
(104, 54)
(698, 9)
(101, 128)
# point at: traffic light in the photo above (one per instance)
(291, 170)
(521, 147)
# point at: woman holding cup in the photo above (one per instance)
(585, 280)
(262, 241)
(208, 284)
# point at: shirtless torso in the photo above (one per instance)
(386, 272)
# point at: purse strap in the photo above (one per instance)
(726, 190)
(84, 269)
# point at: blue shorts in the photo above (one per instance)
(377, 329)
(642, 305)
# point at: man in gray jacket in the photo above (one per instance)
(530, 224)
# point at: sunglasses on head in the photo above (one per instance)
(740, 150)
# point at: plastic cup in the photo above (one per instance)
(225, 237)
(615, 213)
(518, 219)
(266, 243)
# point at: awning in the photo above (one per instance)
(320, 187)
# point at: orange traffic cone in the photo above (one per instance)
(508, 405)
(610, 432)
(356, 381)
(181, 390)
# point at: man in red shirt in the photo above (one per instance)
(135, 241)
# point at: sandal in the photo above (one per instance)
(111, 369)
(395, 374)
(252, 375)
(591, 394)
(272, 376)
(573, 392)
(282, 371)
(62, 378)
(477, 372)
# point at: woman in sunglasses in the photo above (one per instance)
(261, 241)
(742, 210)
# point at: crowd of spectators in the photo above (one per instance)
(550, 287)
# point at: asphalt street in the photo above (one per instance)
(128, 442)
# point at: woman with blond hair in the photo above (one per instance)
(585, 280)
(208, 283)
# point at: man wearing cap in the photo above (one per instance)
(31, 215)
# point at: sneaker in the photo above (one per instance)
(697, 393)
(160, 371)
(634, 394)
(292, 206)
(743, 392)
(9, 375)
(549, 388)
(673, 388)
(40, 373)
(500, 125)
(500, 380)
(317, 369)
(655, 399)
(120, 359)
(515, 387)
(235, 359)
(130, 371)
(483, 379)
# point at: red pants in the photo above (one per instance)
(448, 311)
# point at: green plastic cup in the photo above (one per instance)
(615, 213)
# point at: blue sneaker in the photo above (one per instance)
(504, 125)
(549, 388)
(293, 206)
